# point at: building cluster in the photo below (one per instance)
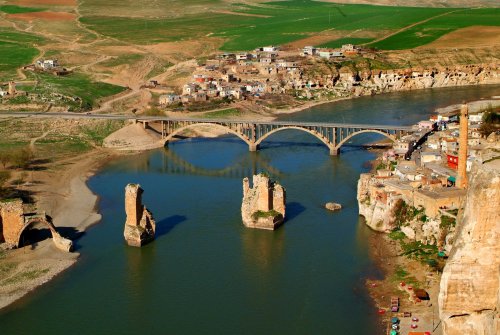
(49, 66)
(251, 75)
(430, 176)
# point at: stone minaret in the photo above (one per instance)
(12, 88)
(462, 148)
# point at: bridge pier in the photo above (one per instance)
(253, 147)
(334, 152)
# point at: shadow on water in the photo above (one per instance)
(294, 209)
(164, 226)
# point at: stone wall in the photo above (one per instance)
(140, 226)
(469, 297)
(263, 205)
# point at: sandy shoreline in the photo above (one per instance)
(65, 196)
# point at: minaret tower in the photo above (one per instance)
(462, 148)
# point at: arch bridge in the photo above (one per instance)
(253, 133)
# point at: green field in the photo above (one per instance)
(286, 21)
(16, 50)
(75, 84)
(347, 40)
(431, 30)
(12, 9)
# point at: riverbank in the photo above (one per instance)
(63, 194)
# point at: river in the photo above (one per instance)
(208, 274)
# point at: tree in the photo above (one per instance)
(491, 122)
(5, 158)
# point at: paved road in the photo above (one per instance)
(68, 115)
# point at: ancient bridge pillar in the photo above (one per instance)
(263, 205)
(140, 225)
(12, 217)
(334, 151)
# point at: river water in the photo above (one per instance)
(208, 274)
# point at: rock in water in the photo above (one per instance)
(263, 206)
(333, 206)
(140, 225)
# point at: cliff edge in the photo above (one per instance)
(469, 298)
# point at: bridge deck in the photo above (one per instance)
(68, 115)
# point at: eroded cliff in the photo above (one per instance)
(469, 298)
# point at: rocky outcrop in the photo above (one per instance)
(347, 82)
(333, 206)
(14, 221)
(378, 212)
(263, 205)
(140, 225)
(469, 297)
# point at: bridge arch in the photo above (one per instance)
(194, 125)
(32, 221)
(391, 137)
(312, 132)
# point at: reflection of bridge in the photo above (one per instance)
(333, 135)
(250, 165)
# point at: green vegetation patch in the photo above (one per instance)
(431, 30)
(97, 133)
(221, 114)
(13, 9)
(16, 50)
(25, 275)
(261, 214)
(401, 275)
(74, 85)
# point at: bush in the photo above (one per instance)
(447, 222)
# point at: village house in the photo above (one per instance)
(449, 145)
(189, 88)
(168, 99)
(270, 48)
(426, 125)
(329, 54)
(434, 142)
(402, 146)
(350, 49)
(47, 64)
(436, 199)
(476, 118)
(430, 156)
(308, 51)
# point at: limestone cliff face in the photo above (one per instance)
(140, 225)
(346, 82)
(263, 205)
(377, 212)
(469, 297)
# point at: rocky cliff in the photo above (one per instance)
(263, 205)
(140, 225)
(469, 298)
(348, 82)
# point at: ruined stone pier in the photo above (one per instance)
(263, 205)
(140, 225)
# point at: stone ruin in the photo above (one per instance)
(140, 225)
(263, 206)
(14, 221)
